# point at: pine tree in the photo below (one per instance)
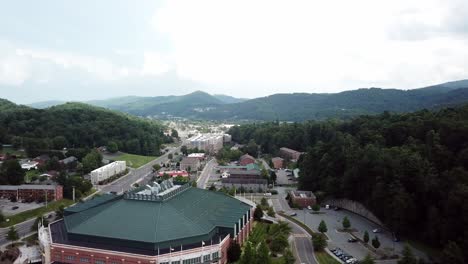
(248, 256)
(322, 228)
(376, 242)
(263, 254)
(12, 234)
(346, 223)
(408, 257)
(366, 237)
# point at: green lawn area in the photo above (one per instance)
(21, 217)
(12, 151)
(324, 258)
(135, 161)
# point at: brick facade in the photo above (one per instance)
(34, 192)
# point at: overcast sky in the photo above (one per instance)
(79, 50)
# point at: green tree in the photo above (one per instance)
(319, 242)
(39, 219)
(322, 228)
(59, 142)
(278, 243)
(12, 234)
(174, 133)
(263, 254)
(408, 256)
(258, 213)
(234, 252)
(112, 147)
(2, 217)
(316, 207)
(271, 212)
(367, 260)
(366, 237)
(184, 150)
(212, 187)
(156, 167)
(170, 156)
(60, 211)
(376, 242)
(92, 161)
(264, 202)
(11, 173)
(346, 223)
(288, 257)
(249, 254)
(452, 254)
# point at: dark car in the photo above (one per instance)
(14, 207)
(352, 240)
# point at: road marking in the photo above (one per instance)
(297, 251)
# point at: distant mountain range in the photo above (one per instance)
(289, 107)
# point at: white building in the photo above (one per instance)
(207, 142)
(107, 171)
(30, 165)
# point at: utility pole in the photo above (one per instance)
(46, 198)
(73, 193)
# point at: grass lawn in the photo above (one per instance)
(21, 217)
(12, 151)
(135, 161)
(324, 258)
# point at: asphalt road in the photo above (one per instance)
(23, 229)
(125, 183)
(302, 246)
(205, 174)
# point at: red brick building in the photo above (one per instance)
(302, 198)
(246, 159)
(278, 163)
(32, 192)
(291, 154)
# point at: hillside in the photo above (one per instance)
(410, 169)
(78, 125)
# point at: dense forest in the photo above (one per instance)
(76, 125)
(411, 169)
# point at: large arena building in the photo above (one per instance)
(160, 224)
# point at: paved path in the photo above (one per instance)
(23, 229)
(205, 174)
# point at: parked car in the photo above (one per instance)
(352, 240)
(292, 214)
(308, 207)
(14, 207)
(377, 230)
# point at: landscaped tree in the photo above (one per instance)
(408, 256)
(270, 212)
(258, 213)
(279, 243)
(11, 173)
(346, 223)
(264, 202)
(184, 150)
(112, 147)
(367, 260)
(322, 228)
(234, 252)
(316, 207)
(376, 242)
(2, 217)
(156, 167)
(170, 156)
(12, 234)
(319, 242)
(366, 237)
(249, 254)
(174, 133)
(212, 187)
(263, 254)
(39, 219)
(452, 254)
(92, 161)
(288, 257)
(59, 212)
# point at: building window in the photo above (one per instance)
(166, 262)
(175, 262)
(57, 257)
(215, 255)
(98, 261)
(206, 258)
(84, 260)
(70, 258)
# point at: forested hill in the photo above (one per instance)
(410, 169)
(75, 125)
(303, 106)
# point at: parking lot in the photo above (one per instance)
(6, 207)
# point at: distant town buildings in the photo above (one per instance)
(246, 159)
(29, 165)
(277, 162)
(290, 154)
(190, 163)
(247, 176)
(210, 143)
(160, 224)
(302, 198)
(107, 171)
(200, 156)
(32, 192)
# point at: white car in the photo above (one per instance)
(308, 207)
(377, 230)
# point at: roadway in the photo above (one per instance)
(23, 229)
(205, 174)
(125, 183)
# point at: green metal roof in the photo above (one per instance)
(194, 212)
(251, 166)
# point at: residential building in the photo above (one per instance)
(247, 184)
(69, 162)
(210, 143)
(42, 159)
(290, 154)
(107, 171)
(29, 165)
(159, 224)
(278, 163)
(302, 198)
(246, 159)
(190, 164)
(32, 192)
(200, 156)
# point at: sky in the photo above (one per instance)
(87, 49)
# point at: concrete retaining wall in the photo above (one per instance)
(354, 207)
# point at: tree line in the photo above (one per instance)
(76, 125)
(410, 170)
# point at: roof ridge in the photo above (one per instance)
(157, 222)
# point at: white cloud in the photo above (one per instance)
(328, 45)
(154, 64)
